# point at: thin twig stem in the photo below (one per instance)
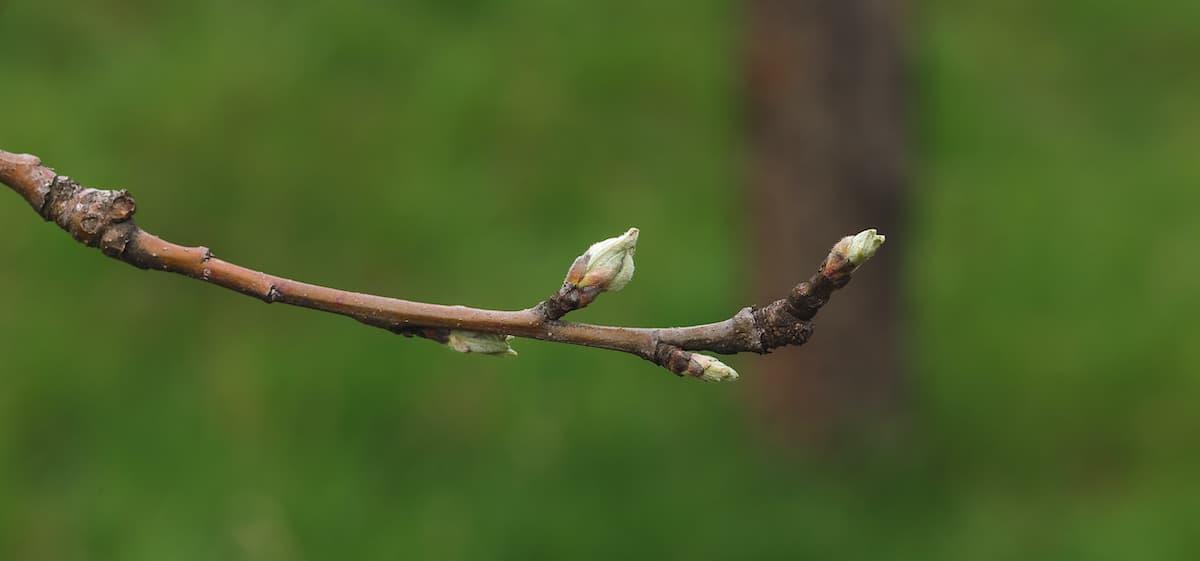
(104, 219)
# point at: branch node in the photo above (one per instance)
(779, 327)
(95, 217)
(672, 358)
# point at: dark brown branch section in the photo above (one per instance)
(104, 219)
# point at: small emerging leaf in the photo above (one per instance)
(485, 343)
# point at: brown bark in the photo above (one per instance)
(104, 219)
(825, 95)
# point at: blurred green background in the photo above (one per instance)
(464, 152)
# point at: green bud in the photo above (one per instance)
(863, 246)
(711, 369)
(476, 342)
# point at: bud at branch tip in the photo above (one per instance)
(862, 246)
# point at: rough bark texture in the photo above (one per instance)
(826, 106)
(104, 219)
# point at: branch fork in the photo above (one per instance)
(103, 219)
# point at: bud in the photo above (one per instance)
(858, 248)
(606, 265)
(476, 342)
(710, 369)
(864, 245)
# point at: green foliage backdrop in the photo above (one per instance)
(464, 152)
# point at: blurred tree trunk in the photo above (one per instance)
(826, 124)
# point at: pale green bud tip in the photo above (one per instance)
(864, 245)
(476, 342)
(713, 370)
(607, 264)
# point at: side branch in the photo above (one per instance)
(104, 219)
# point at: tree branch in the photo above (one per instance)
(104, 219)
